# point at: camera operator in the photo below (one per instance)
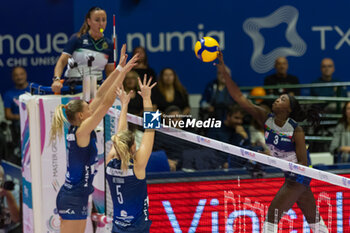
(9, 210)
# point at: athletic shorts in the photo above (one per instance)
(298, 178)
(140, 226)
(72, 206)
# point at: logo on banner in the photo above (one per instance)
(262, 63)
(54, 223)
(295, 167)
(151, 120)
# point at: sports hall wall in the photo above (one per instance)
(304, 31)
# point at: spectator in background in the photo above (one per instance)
(11, 104)
(169, 91)
(340, 145)
(215, 98)
(173, 146)
(281, 77)
(9, 207)
(142, 66)
(232, 132)
(327, 70)
(130, 84)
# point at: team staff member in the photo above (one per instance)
(126, 169)
(89, 41)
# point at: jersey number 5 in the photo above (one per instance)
(119, 195)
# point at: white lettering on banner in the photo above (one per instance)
(344, 37)
(12, 61)
(165, 39)
(196, 217)
(32, 43)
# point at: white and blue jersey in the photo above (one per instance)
(72, 199)
(130, 199)
(280, 142)
(79, 47)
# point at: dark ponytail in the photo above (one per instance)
(299, 114)
(85, 27)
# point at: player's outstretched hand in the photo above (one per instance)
(145, 88)
(124, 98)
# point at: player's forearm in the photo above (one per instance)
(147, 104)
(122, 124)
(112, 91)
(10, 116)
(107, 83)
(59, 68)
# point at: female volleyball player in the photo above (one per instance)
(72, 199)
(88, 41)
(126, 169)
(286, 140)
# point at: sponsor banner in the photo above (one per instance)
(252, 34)
(27, 205)
(239, 205)
(53, 162)
(34, 38)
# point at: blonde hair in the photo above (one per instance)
(59, 120)
(123, 142)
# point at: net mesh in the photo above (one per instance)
(196, 185)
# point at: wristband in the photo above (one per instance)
(56, 78)
(119, 67)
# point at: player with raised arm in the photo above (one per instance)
(285, 140)
(126, 169)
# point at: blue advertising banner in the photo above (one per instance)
(252, 34)
(33, 36)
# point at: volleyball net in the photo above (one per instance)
(202, 195)
(219, 187)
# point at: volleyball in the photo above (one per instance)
(206, 49)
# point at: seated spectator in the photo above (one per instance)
(281, 77)
(9, 207)
(169, 91)
(11, 104)
(215, 98)
(142, 66)
(340, 145)
(327, 70)
(130, 84)
(232, 132)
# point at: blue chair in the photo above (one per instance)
(158, 162)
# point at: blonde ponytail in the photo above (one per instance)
(123, 142)
(58, 122)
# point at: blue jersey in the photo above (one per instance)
(79, 47)
(80, 163)
(129, 195)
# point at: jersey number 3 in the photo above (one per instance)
(119, 195)
(276, 140)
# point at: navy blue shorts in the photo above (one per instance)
(298, 178)
(72, 206)
(140, 226)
